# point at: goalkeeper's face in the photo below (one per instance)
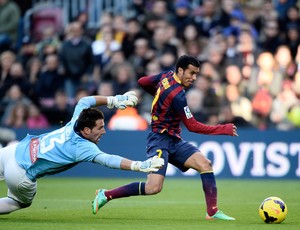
(94, 135)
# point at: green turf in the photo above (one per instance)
(65, 203)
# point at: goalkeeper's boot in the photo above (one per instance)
(219, 215)
(99, 201)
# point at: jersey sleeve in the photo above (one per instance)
(107, 160)
(86, 151)
(83, 103)
(149, 83)
(180, 105)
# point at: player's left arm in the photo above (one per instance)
(117, 162)
(181, 106)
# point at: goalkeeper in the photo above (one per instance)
(33, 157)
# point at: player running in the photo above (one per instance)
(169, 108)
(50, 153)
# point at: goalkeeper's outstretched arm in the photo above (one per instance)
(114, 161)
(119, 101)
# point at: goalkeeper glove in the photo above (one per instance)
(151, 165)
(122, 101)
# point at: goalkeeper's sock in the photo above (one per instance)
(8, 205)
(210, 192)
(133, 189)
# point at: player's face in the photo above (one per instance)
(189, 75)
(96, 133)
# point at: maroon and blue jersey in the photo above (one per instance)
(170, 108)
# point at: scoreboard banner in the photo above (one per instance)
(253, 154)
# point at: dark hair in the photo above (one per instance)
(88, 118)
(184, 61)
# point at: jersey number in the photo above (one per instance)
(48, 142)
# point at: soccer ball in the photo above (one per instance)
(272, 210)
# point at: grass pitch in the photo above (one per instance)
(65, 203)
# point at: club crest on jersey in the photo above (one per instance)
(187, 112)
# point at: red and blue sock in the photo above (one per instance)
(210, 192)
(133, 189)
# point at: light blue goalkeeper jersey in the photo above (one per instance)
(57, 151)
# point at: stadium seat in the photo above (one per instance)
(41, 16)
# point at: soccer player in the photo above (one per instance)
(33, 157)
(169, 108)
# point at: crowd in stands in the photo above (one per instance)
(250, 72)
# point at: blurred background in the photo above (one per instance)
(52, 53)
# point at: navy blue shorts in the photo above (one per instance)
(172, 149)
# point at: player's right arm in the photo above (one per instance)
(119, 101)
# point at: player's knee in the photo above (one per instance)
(152, 189)
(206, 165)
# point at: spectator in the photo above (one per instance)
(117, 58)
(33, 69)
(194, 99)
(106, 42)
(17, 76)
(240, 105)
(246, 53)
(284, 62)
(18, 116)
(233, 76)
(262, 105)
(270, 37)
(106, 20)
(292, 17)
(292, 39)
(142, 56)
(49, 44)
(36, 119)
(7, 58)
(61, 112)
(211, 102)
(167, 61)
(133, 32)
(208, 17)
(123, 78)
(182, 17)
(105, 88)
(239, 23)
(265, 75)
(227, 7)
(9, 24)
(104, 48)
(160, 43)
(119, 26)
(282, 6)
(227, 116)
(76, 71)
(266, 13)
(50, 80)
(280, 107)
(27, 51)
(190, 33)
(13, 96)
